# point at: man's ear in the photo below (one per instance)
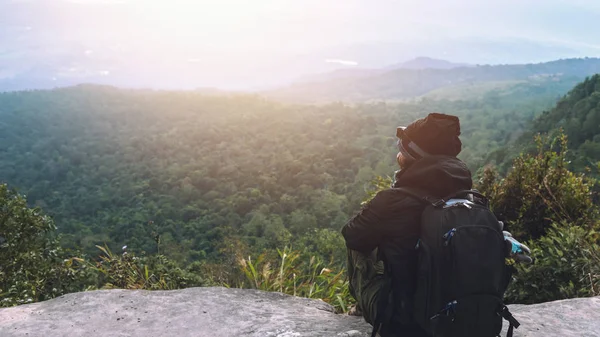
(401, 160)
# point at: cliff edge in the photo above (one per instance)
(224, 312)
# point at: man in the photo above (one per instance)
(383, 235)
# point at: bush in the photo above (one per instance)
(326, 244)
(551, 208)
(290, 275)
(33, 267)
(566, 265)
(540, 190)
(155, 272)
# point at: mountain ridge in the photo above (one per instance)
(577, 115)
(410, 83)
(417, 63)
(425, 62)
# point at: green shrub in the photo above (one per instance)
(33, 267)
(290, 275)
(540, 190)
(566, 265)
(154, 272)
(324, 243)
(551, 208)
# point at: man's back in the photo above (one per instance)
(391, 223)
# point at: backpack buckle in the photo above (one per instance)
(448, 236)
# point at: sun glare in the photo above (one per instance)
(218, 19)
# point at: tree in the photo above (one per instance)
(540, 190)
(551, 207)
(33, 267)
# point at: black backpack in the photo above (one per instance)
(462, 274)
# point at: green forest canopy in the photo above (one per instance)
(578, 116)
(180, 172)
(213, 182)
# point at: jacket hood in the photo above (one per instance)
(438, 175)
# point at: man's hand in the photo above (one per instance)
(517, 250)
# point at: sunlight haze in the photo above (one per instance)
(238, 44)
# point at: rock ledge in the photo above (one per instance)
(226, 312)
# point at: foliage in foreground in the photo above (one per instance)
(551, 208)
(154, 272)
(541, 190)
(567, 265)
(290, 274)
(33, 267)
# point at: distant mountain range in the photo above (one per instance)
(424, 62)
(423, 75)
(418, 63)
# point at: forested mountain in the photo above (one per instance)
(124, 166)
(202, 189)
(408, 83)
(578, 116)
(183, 171)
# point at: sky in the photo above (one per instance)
(250, 43)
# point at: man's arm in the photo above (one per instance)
(363, 232)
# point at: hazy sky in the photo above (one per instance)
(317, 23)
(237, 35)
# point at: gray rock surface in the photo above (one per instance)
(225, 312)
(190, 312)
(578, 317)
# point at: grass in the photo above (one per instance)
(288, 274)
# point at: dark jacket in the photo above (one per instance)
(391, 220)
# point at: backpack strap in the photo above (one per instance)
(421, 196)
(465, 192)
(512, 321)
(437, 202)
